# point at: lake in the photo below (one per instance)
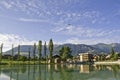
(60, 72)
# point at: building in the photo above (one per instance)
(86, 57)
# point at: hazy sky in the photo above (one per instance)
(65, 21)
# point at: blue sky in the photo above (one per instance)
(65, 21)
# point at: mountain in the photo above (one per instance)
(76, 48)
(106, 47)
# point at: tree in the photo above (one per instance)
(34, 51)
(1, 52)
(12, 52)
(18, 52)
(29, 54)
(39, 50)
(45, 48)
(23, 58)
(112, 52)
(113, 55)
(118, 54)
(65, 53)
(51, 49)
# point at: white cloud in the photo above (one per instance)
(84, 32)
(9, 39)
(32, 20)
(91, 41)
(6, 4)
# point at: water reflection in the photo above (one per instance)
(60, 72)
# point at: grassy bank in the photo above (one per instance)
(6, 62)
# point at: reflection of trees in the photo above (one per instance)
(59, 72)
(11, 73)
(51, 72)
(28, 72)
(65, 73)
(0, 69)
(23, 69)
(115, 69)
(17, 73)
(33, 72)
(45, 73)
(39, 73)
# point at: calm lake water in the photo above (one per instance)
(60, 72)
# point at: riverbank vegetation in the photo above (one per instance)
(48, 58)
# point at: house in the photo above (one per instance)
(55, 59)
(86, 57)
(6, 56)
(118, 58)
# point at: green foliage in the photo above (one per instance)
(12, 51)
(34, 50)
(118, 54)
(65, 53)
(18, 52)
(1, 48)
(113, 55)
(29, 54)
(23, 58)
(51, 48)
(112, 52)
(45, 48)
(40, 49)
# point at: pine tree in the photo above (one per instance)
(39, 50)
(51, 49)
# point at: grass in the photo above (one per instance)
(8, 62)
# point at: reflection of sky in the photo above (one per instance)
(102, 79)
(4, 77)
(69, 72)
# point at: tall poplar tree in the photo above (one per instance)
(18, 52)
(12, 52)
(39, 50)
(51, 49)
(34, 51)
(1, 52)
(45, 48)
(29, 54)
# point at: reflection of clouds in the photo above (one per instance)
(4, 77)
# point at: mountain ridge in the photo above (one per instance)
(76, 48)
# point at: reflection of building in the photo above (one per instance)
(84, 57)
(84, 69)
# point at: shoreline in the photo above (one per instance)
(37, 63)
(107, 63)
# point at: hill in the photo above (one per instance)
(76, 48)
